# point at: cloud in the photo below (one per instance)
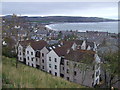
(95, 9)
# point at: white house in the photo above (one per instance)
(29, 52)
(53, 63)
(30, 56)
(43, 59)
(20, 53)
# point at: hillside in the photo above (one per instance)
(57, 19)
(28, 77)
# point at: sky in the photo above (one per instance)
(86, 9)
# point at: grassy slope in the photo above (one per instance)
(28, 77)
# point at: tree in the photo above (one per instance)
(111, 69)
(14, 25)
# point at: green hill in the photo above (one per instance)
(29, 77)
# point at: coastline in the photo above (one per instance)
(83, 27)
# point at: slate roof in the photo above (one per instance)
(80, 55)
(25, 43)
(62, 51)
(91, 44)
(36, 45)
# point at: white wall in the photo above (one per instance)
(53, 55)
(88, 48)
(45, 52)
(97, 69)
(83, 46)
(74, 46)
(20, 50)
(30, 62)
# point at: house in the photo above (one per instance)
(69, 44)
(66, 60)
(29, 52)
(32, 51)
(82, 67)
(21, 50)
(43, 59)
(54, 58)
(81, 44)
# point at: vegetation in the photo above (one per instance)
(29, 77)
(9, 49)
(111, 69)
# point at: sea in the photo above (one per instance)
(111, 27)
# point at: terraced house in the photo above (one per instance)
(76, 61)
(82, 67)
(29, 52)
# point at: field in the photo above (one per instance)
(29, 77)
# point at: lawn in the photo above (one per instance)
(28, 77)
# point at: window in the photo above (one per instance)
(67, 78)
(92, 83)
(42, 60)
(28, 58)
(93, 67)
(49, 58)
(42, 67)
(49, 65)
(27, 52)
(50, 72)
(42, 54)
(55, 74)
(20, 58)
(67, 63)
(31, 53)
(36, 60)
(20, 53)
(63, 68)
(97, 81)
(19, 48)
(75, 73)
(32, 65)
(55, 66)
(93, 76)
(67, 70)
(32, 59)
(55, 59)
(97, 73)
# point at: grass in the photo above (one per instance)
(29, 77)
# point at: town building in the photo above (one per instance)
(65, 59)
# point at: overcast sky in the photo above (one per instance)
(89, 9)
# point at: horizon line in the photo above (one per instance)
(28, 15)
